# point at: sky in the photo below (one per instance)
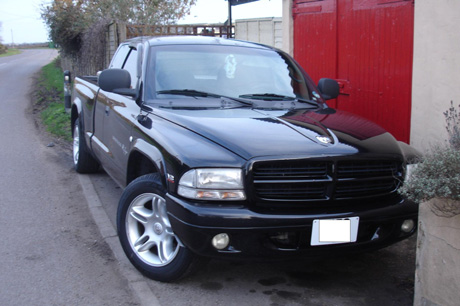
(21, 22)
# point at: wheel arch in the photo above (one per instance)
(145, 159)
(75, 112)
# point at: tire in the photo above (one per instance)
(146, 234)
(83, 161)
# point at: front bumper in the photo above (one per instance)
(255, 235)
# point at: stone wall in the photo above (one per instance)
(436, 71)
(437, 275)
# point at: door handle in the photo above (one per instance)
(107, 109)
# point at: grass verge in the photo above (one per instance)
(49, 101)
(10, 51)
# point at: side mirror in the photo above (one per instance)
(329, 88)
(116, 80)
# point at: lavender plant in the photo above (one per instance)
(453, 126)
(438, 174)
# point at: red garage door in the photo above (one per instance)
(367, 45)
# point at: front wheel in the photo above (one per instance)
(146, 234)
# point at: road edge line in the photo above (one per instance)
(136, 281)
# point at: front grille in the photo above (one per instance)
(366, 178)
(346, 169)
(292, 191)
(290, 169)
(291, 180)
(320, 180)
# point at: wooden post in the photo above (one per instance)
(230, 35)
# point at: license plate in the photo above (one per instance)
(334, 231)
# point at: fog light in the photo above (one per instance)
(407, 226)
(220, 241)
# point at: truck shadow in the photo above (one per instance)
(384, 277)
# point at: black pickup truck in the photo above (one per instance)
(227, 149)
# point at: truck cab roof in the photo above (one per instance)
(192, 40)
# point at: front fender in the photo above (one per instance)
(76, 109)
(411, 155)
(150, 152)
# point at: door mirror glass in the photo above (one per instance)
(329, 88)
(112, 79)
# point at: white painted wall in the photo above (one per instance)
(288, 28)
(283, 30)
(436, 73)
(267, 31)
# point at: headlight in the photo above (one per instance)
(212, 184)
(409, 170)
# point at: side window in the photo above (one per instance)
(119, 57)
(131, 66)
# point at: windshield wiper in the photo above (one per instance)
(311, 102)
(276, 97)
(197, 93)
(267, 96)
(187, 92)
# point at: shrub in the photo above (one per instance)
(453, 126)
(437, 176)
(438, 173)
(3, 49)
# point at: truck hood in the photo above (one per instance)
(254, 133)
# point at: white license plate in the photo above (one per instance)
(334, 231)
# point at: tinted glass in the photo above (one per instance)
(224, 70)
(119, 57)
(131, 66)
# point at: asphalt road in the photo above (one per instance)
(51, 252)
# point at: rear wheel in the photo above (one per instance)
(83, 161)
(146, 234)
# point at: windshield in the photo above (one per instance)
(229, 71)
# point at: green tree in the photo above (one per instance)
(3, 48)
(68, 20)
(141, 11)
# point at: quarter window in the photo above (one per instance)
(131, 66)
(119, 57)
